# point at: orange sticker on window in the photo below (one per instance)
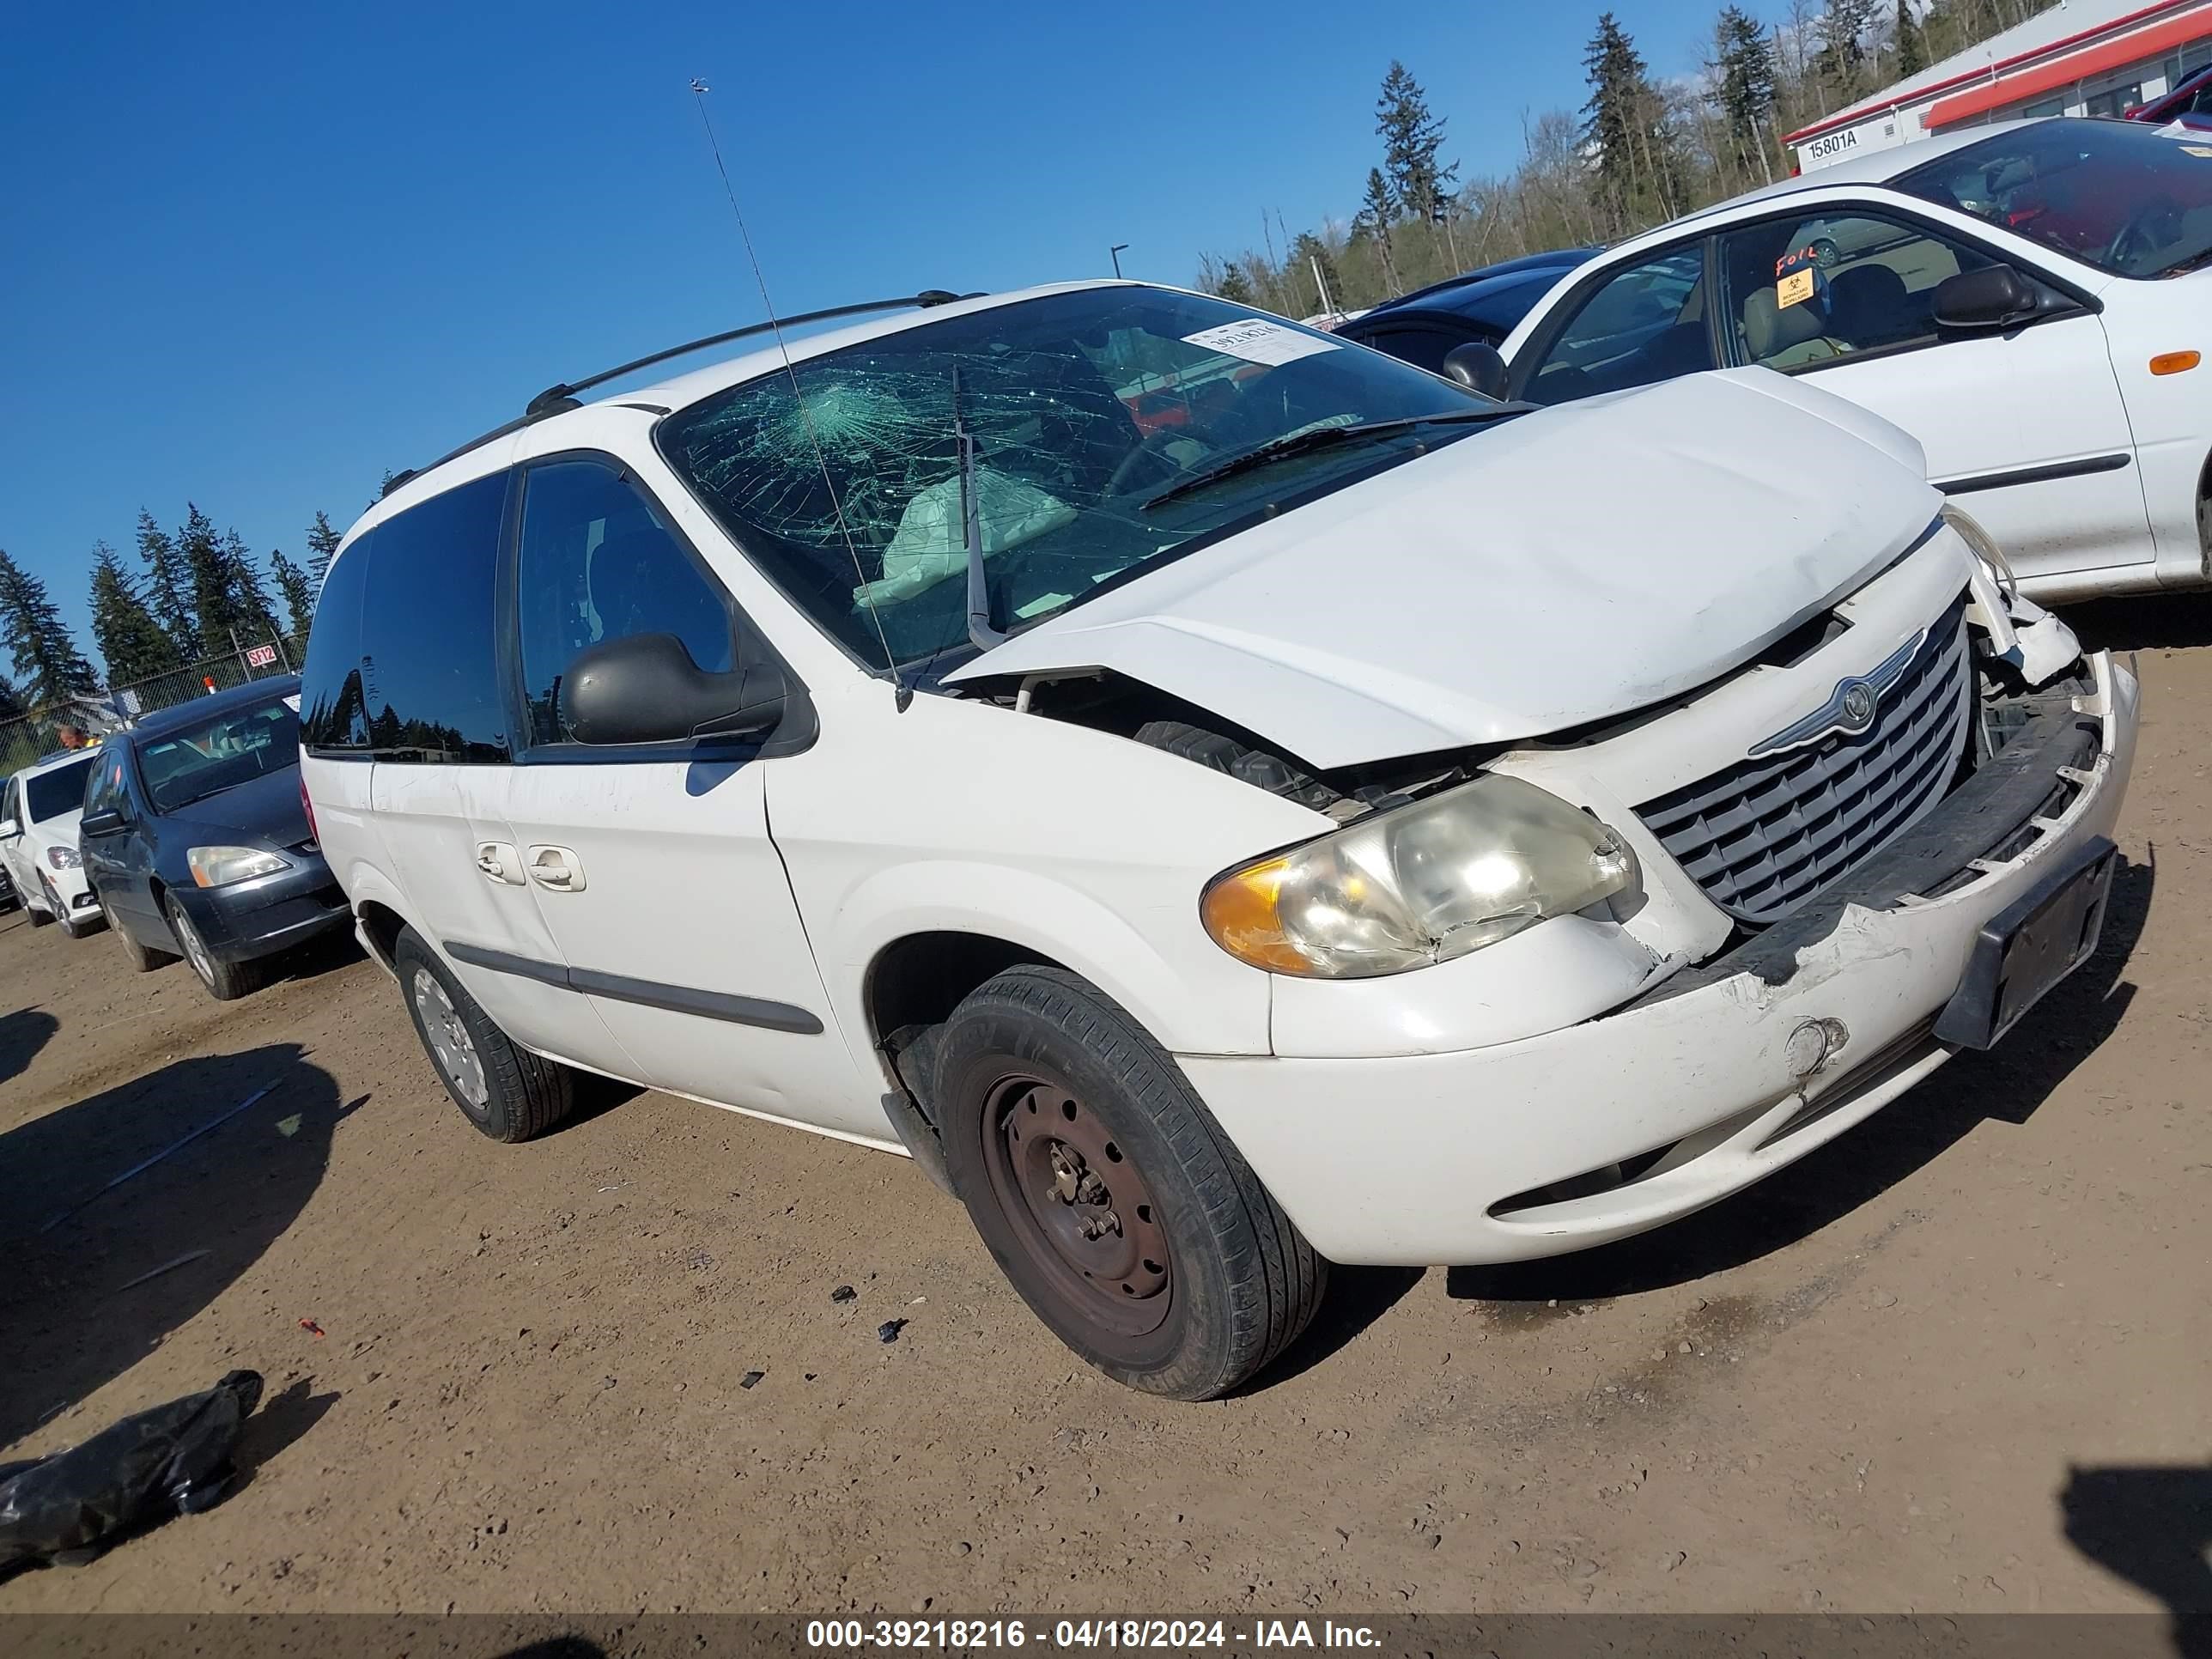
(1794, 289)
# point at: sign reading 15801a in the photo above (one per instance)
(1830, 145)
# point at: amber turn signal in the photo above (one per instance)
(2175, 363)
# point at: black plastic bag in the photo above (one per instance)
(169, 1460)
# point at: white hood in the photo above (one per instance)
(1577, 563)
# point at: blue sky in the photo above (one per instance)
(253, 256)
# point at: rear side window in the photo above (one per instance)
(429, 661)
(1804, 292)
(402, 664)
(332, 721)
(599, 563)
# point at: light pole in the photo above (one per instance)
(1115, 253)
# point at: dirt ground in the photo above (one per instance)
(1955, 1361)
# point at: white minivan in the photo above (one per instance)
(1222, 800)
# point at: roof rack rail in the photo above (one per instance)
(556, 399)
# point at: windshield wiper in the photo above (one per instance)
(1320, 437)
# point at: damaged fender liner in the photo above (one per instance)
(1991, 806)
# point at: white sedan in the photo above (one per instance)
(2030, 300)
(38, 811)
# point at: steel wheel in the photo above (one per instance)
(451, 1045)
(1079, 1210)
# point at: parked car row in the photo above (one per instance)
(1223, 799)
(185, 835)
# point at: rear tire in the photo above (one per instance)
(509, 1093)
(1110, 1197)
(141, 959)
(226, 981)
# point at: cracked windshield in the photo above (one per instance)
(1110, 427)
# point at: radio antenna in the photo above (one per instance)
(902, 693)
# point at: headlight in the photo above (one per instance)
(63, 858)
(1423, 884)
(219, 866)
(1985, 547)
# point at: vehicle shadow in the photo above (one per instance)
(116, 1233)
(324, 956)
(22, 1034)
(2005, 1087)
(1356, 1298)
(2172, 622)
(2152, 1527)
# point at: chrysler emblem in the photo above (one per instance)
(1852, 707)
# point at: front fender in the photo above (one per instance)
(1190, 1004)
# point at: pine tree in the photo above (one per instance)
(131, 643)
(1842, 31)
(297, 588)
(1311, 257)
(46, 657)
(254, 617)
(322, 542)
(1411, 138)
(1625, 124)
(1745, 58)
(1373, 221)
(11, 701)
(168, 587)
(1233, 285)
(1911, 47)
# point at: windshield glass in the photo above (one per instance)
(1084, 408)
(50, 794)
(233, 747)
(2118, 195)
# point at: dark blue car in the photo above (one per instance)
(195, 841)
(1480, 308)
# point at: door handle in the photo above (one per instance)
(500, 862)
(556, 869)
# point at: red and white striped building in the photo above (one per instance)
(2079, 57)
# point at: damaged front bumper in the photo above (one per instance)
(1716, 1077)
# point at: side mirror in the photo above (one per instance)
(106, 822)
(646, 689)
(9, 829)
(1478, 368)
(1993, 297)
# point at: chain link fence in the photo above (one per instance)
(25, 739)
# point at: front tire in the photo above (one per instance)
(1110, 1197)
(502, 1088)
(141, 959)
(226, 981)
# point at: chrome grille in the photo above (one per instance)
(1767, 834)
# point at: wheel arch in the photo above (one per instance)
(920, 978)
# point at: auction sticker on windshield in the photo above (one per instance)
(1258, 341)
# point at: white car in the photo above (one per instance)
(38, 813)
(2030, 300)
(1345, 818)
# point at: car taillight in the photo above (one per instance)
(308, 805)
